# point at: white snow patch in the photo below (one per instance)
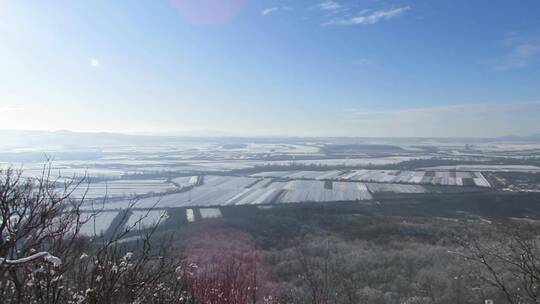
(207, 213)
(190, 215)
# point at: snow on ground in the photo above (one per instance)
(395, 188)
(318, 191)
(319, 175)
(190, 215)
(302, 186)
(488, 168)
(348, 162)
(274, 174)
(99, 224)
(228, 190)
(445, 178)
(255, 196)
(146, 219)
(207, 213)
(123, 188)
(228, 182)
(186, 181)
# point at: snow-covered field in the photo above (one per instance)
(190, 215)
(445, 178)
(318, 175)
(315, 191)
(97, 225)
(395, 188)
(60, 171)
(212, 173)
(347, 162)
(186, 181)
(145, 219)
(118, 166)
(207, 213)
(229, 190)
(123, 188)
(488, 168)
(300, 186)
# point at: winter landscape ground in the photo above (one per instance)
(205, 176)
(304, 220)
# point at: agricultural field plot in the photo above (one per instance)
(318, 175)
(255, 196)
(395, 188)
(214, 191)
(199, 196)
(228, 182)
(230, 191)
(123, 188)
(190, 215)
(319, 191)
(59, 172)
(347, 162)
(119, 164)
(488, 168)
(186, 181)
(283, 174)
(209, 213)
(444, 178)
(145, 219)
(97, 225)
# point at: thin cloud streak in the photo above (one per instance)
(271, 10)
(363, 62)
(328, 6)
(371, 18)
(463, 108)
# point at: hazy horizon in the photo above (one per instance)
(221, 134)
(272, 68)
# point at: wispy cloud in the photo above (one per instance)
(363, 62)
(10, 109)
(271, 10)
(521, 53)
(329, 6)
(472, 108)
(366, 18)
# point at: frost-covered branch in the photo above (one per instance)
(45, 256)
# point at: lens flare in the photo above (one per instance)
(94, 63)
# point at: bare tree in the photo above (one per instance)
(508, 262)
(39, 224)
(43, 259)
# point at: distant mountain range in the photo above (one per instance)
(61, 140)
(528, 138)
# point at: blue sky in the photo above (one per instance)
(281, 67)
